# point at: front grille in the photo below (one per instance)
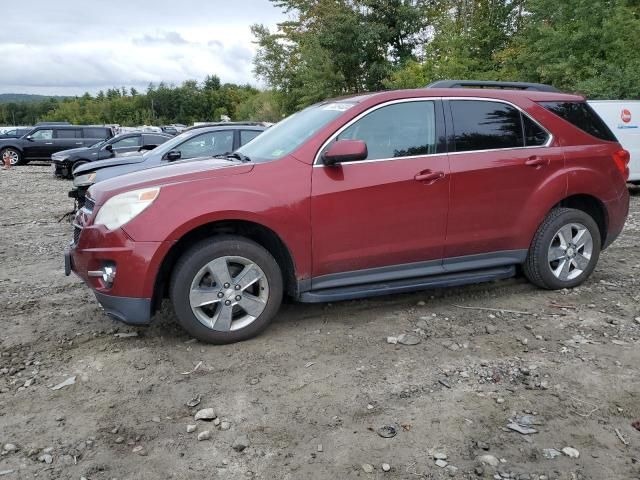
(76, 234)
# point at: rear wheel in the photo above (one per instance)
(564, 251)
(226, 289)
(13, 155)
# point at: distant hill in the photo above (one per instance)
(25, 97)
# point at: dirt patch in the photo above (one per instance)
(308, 398)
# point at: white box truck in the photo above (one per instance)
(623, 118)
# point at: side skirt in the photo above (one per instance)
(411, 277)
(408, 285)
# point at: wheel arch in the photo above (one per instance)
(593, 207)
(14, 146)
(257, 232)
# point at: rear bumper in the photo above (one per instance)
(617, 216)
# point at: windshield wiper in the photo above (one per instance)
(239, 156)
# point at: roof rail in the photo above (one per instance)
(540, 87)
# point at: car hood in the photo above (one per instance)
(71, 151)
(179, 172)
(110, 162)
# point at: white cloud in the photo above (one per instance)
(130, 46)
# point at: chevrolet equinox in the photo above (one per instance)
(375, 194)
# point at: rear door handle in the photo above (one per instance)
(428, 176)
(48, 143)
(536, 162)
(78, 143)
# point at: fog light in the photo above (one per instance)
(108, 274)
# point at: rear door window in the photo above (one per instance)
(68, 133)
(399, 130)
(97, 133)
(485, 125)
(581, 115)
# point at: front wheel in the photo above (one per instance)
(564, 251)
(76, 165)
(11, 154)
(226, 289)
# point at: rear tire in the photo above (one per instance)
(13, 154)
(564, 250)
(226, 289)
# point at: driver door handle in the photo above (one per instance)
(428, 177)
(536, 161)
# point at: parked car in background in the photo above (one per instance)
(43, 141)
(197, 142)
(65, 161)
(370, 195)
(623, 118)
(14, 132)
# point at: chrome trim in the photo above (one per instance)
(318, 163)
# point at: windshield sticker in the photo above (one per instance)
(339, 107)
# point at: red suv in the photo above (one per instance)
(369, 195)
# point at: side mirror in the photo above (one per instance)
(29, 137)
(109, 148)
(345, 151)
(174, 155)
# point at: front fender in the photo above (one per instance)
(11, 145)
(271, 195)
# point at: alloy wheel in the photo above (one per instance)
(570, 251)
(12, 155)
(229, 293)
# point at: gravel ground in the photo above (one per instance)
(317, 393)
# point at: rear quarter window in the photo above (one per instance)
(582, 116)
(97, 133)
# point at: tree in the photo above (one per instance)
(579, 45)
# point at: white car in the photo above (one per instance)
(623, 118)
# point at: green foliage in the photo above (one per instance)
(338, 47)
(330, 48)
(161, 104)
(585, 46)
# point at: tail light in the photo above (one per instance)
(621, 159)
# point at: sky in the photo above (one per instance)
(70, 47)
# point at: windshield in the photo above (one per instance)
(287, 135)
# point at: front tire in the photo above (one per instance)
(564, 251)
(76, 165)
(14, 156)
(226, 289)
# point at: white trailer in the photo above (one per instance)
(623, 118)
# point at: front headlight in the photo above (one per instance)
(124, 207)
(59, 158)
(84, 180)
